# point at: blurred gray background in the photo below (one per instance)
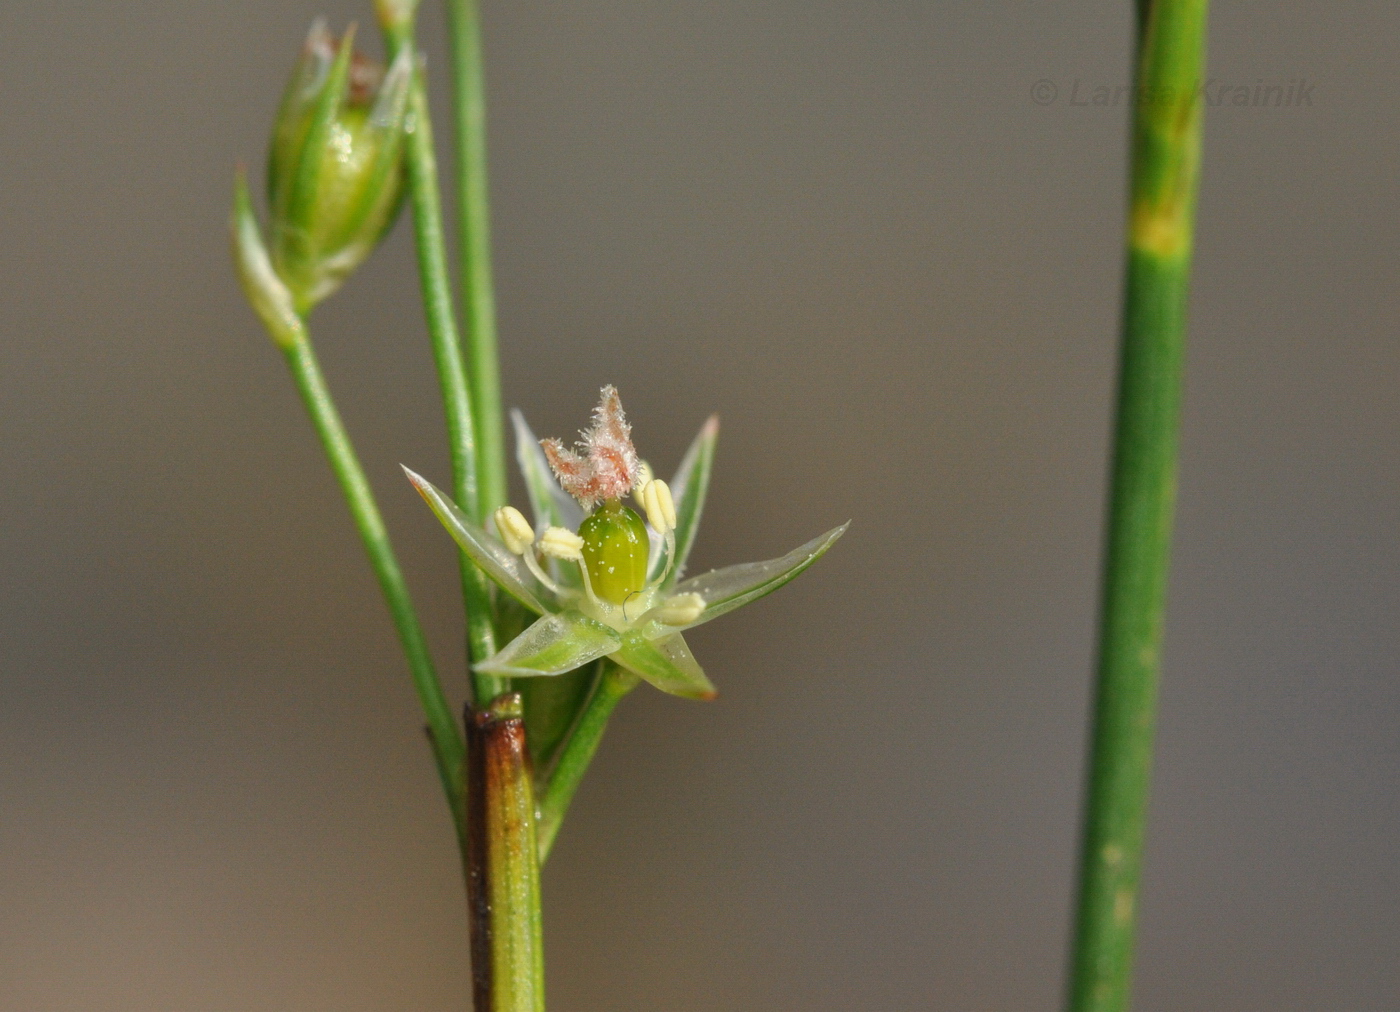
(852, 231)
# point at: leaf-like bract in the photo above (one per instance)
(269, 296)
(494, 558)
(666, 663)
(723, 590)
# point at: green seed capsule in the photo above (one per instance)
(334, 176)
(615, 547)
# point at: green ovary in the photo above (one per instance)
(615, 547)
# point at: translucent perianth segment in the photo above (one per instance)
(615, 546)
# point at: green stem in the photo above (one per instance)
(448, 748)
(578, 752)
(503, 864)
(447, 351)
(1166, 158)
(474, 246)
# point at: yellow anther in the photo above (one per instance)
(661, 510)
(682, 609)
(561, 543)
(514, 529)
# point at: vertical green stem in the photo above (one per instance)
(447, 350)
(501, 854)
(503, 864)
(578, 751)
(1166, 158)
(474, 246)
(447, 743)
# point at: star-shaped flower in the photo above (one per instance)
(604, 583)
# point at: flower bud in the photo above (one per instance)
(615, 546)
(334, 171)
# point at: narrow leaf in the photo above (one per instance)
(666, 663)
(688, 488)
(553, 645)
(494, 558)
(735, 586)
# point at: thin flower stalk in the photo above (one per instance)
(578, 751)
(446, 740)
(339, 207)
(474, 250)
(1165, 164)
(421, 162)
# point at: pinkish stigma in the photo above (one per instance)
(604, 463)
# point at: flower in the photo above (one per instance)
(334, 176)
(604, 582)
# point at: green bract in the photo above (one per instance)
(334, 171)
(636, 614)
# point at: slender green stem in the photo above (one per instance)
(1166, 158)
(447, 351)
(578, 752)
(503, 863)
(448, 747)
(474, 247)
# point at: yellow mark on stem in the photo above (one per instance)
(1123, 907)
(1160, 229)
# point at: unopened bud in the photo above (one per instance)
(682, 609)
(661, 509)
(334, 172)
(515, 530)
(561, 543)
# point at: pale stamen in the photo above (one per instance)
(670, 550)
(683, 609)
(661, 513)
(593, 598)
(534, 566)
